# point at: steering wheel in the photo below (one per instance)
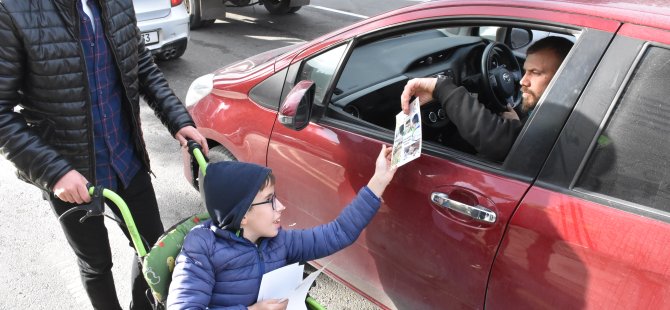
(501, 75)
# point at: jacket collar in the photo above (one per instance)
(229, 235)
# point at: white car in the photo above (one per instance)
(164, 25)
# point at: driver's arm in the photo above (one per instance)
(490, 134)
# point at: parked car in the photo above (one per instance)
(205, 12)
(164, 26)
(577, 214)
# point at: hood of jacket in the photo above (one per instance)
(229, 189)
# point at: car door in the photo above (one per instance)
(593, 230)
(416, 253)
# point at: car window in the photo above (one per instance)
(378, 68)
(321, 69)
(631, 158)
(265, 93)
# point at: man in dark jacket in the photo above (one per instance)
(492, 135)
(71, 73)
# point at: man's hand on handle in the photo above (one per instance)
(190, 133)
(72, 188)
(422, 88)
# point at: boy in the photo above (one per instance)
(223, 260)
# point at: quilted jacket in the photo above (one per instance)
(216, 269)
(45, 107)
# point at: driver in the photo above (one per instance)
(492, 135)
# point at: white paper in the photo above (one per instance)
(408, 137)
(280, 283)
(287, 282)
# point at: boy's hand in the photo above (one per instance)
(383, 172)
(270, 304)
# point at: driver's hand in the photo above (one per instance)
(422, 88)
(510, 113)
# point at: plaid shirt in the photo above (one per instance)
(115, 156)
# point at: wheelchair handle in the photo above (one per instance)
(127, 218)
(96, 208)
(195, 150)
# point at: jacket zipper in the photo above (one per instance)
(261, 265)
(89, 103)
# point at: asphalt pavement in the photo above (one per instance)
(38, 269)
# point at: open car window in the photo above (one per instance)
(373, 76)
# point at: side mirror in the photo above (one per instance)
(520, 38)
(296, 109)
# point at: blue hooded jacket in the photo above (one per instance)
(217, 269)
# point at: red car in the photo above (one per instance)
(576, 216)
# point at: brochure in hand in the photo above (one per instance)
(408, 138)
(287, 283)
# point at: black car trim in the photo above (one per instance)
(613, 105)
(540, 133)
(560, 175)
(573, 144)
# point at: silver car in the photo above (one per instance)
(164, 25)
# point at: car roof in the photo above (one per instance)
(653, 13)
(650, 13)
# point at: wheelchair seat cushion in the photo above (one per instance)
(159, 262)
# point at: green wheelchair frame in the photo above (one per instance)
(158, 263)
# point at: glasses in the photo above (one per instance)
(271, 201)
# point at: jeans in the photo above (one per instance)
(90, 243)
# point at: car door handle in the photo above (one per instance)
(477, 212)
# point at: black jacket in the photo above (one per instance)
(45, 107)
(489, 133)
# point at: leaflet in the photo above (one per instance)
(408, 138)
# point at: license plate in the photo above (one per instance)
(150, 37)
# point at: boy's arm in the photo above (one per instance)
(309, 244)
(193, 277)
(324, 240)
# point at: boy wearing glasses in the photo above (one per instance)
(223, 260)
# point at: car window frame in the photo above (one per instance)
(298, 67)
(570, 155)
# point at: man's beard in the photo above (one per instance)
(528, 102)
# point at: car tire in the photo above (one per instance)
(206, 22)
(294, 9)
(193, 9)
(280, 7)
(219, 154)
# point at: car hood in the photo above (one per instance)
(251, 65)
